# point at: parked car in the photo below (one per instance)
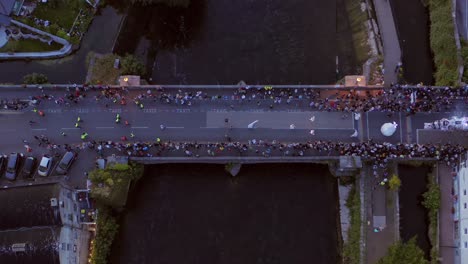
(45, 166)
(28, 168)
(3, 161)
(66, 162)
(12, 166)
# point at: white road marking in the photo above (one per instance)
(174, 127)
(11, 113)
(7, 130)
(104, 127)
(70, 128)
(210, 127)
(38, 129)
(367, 121)
(139, 127)
(401, 130)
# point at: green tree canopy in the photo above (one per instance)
(132, 66)
(35, 78)
(408, 253)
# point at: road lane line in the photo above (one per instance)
(174, 127)
(38, 129)
(367, 121)
(7, 130)
(139, 127)
(401, 130)
(70, 128)
(104, 127)
(11, 113)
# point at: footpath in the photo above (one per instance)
(391, 45)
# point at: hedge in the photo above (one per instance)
(442, 42)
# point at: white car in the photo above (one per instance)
(45, 166)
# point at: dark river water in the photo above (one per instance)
(412, 22)
(413, 216)
(196, 213)
(224, 41)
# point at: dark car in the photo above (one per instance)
(65, 163)
(13, 166)
(28, 168)
(3, 161)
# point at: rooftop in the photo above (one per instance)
(29, 206)
(40, 245)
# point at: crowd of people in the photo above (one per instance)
(379, 153)
(394, 99)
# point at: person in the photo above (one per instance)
(132, 135)
(63, 134)
(77, 125)
(126, 123)
(162, 127)
(355, 134)
(84, 135)
(141, 106)
(34, 110)
(292, 126)
(78, 119)
(117, 116)
(312, 119)
(312, 132)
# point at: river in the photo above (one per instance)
(224, 42)
(197, 213)
(414, 219)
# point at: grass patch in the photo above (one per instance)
(103, 71)
(29, 45)
(352, 249)
(60, 12)
(111, 185)
(358, 20)
(442, 42)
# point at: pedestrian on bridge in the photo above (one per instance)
(132, 135)
(84, 135)
(63, 134)
(77, 125)
(78, 119)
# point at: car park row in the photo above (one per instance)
(16, 165)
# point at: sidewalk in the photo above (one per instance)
(380, 205)
(391, 45)
(447, 246)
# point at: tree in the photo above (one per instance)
(432, 198)
(132, 66)
(394, 182)
(171, 3)
(408, 253)
(35, 78)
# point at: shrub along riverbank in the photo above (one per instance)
(352, 249)
(442, 42)
(432, 203)
(110, 189)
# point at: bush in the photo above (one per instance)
(106, 230)
(35, 78)
(62, 34)
(394, 183)
(442, 42)
(352, 249)
(132, 66)
(400, 252)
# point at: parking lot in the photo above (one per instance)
(23, 178)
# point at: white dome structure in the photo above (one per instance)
(388, 129)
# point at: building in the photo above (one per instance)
(461, 211)
(8, 7)
(42, 224)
